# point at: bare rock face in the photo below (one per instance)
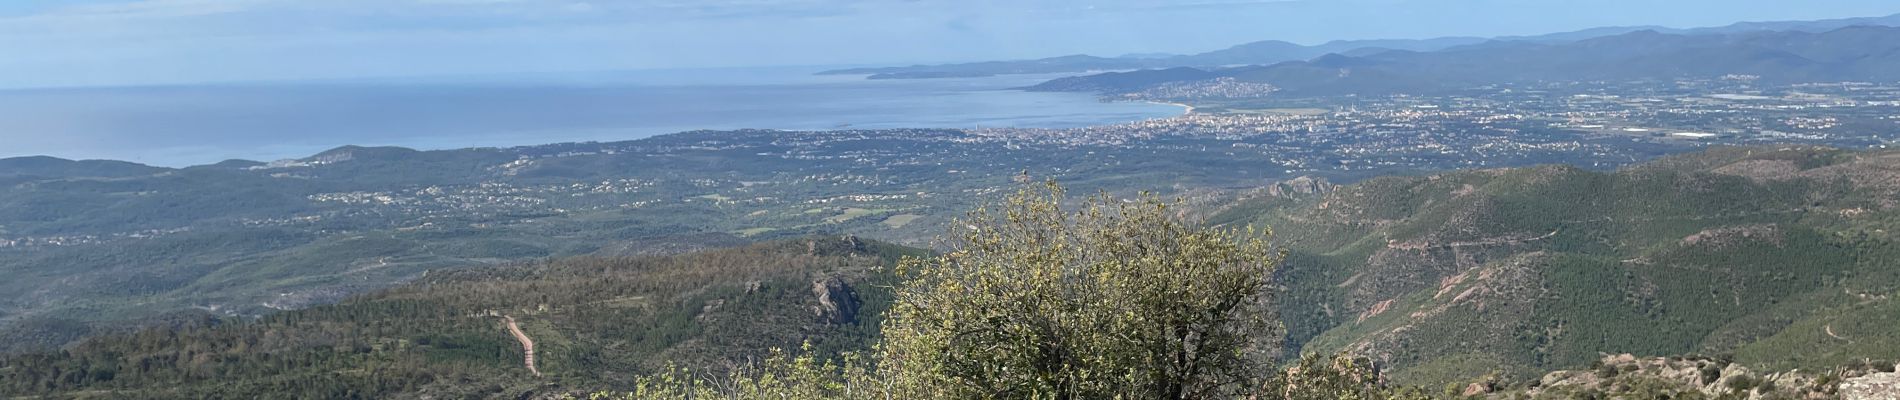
(1301, 186)
(844, 245)
(1624, 376)
(1478, 389)
(1568, 378)
(1730, 374)
(1881, 386)
(837, 301)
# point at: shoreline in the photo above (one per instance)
(1186, 109)
(198, 133)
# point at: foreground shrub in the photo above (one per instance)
(1115, 299)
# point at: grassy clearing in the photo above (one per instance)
(854, 213)
(900, 220)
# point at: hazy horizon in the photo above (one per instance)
(62, 43)
(185, 125)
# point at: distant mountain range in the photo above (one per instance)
(1274, 51)
(1855, 53)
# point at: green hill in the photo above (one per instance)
(1776, 258)
(1784, 258)
(595, 322)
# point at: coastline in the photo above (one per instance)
(294, 120)
(1186, 109)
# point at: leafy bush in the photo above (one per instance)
(1115, 299)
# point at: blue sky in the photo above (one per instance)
(115, 42)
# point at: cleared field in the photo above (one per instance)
(853, 213)
(899, 220)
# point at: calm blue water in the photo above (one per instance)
(185, 125)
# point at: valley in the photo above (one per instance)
(1621, 212)
(1773, 258)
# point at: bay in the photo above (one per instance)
(197, 124)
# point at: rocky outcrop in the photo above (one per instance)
(1881, 386)
(837, 301)
(1626, 376)
(843, 245)
(1725, 237)
(1301, 186)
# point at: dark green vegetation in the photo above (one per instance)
(83, 243)
(1036, 302)
(596, 323)
(1774, 258)
(1782, 257)
(85, 249)
(1859, 53)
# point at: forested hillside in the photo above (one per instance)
(595, 323)
(1781, 257)
(1758, 259)
(96, 246)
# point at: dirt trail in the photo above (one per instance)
(1496, 241)
(527, 344)
(1830, 332)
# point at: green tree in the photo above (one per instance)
(1116, 299)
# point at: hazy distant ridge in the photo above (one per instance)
(1274, 51)
(1858, 53)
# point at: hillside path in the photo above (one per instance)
(527, 344)
(1830, 332)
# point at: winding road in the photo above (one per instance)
(527, 344)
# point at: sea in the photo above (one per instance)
(181, 125)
